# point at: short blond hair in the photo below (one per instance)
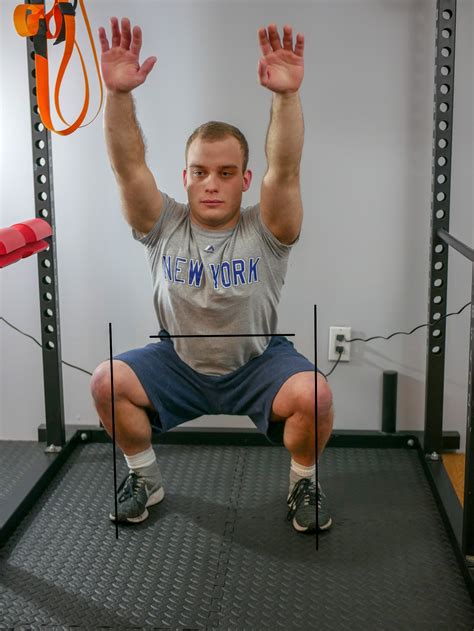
(217, 130)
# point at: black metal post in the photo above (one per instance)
(47, 278)
(441, 189)
(468, 513)
(389, 401)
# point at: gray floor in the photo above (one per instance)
(219, 553)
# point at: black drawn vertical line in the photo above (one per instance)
(315, 334)
(113, 427)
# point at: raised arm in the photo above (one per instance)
(281, 70)
(142, 202)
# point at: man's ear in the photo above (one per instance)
(185, 178)
(247, 180)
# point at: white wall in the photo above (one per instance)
(366, 181)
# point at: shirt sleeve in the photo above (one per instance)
(277, 248)
(172, 213)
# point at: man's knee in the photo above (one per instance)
(101, 382)
(307, 397)
(325, 400)
(297, 395)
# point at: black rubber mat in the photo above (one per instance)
(219, 553)
(17, 458)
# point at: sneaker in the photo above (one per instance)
(302, 503)
(133, 497)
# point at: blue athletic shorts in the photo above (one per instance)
(179, 394)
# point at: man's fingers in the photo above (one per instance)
(104, 43)
(263, 41)
(270, 41)
(287, 37)
(299, 47)
(274, 37)
(136, 41)
(115, 32)
(126, 34)
(262, 72)
(127, 39)
(147, 67)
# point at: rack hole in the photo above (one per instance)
(443, 125)
(446, 32)
(438, 266)
(441, 179)
(44, 212)
(47, 296)
(48, 313)
(436, 333)
(50, 345)
(440, 214)
(442, 143)
(41, 162)
(445, 70)
(445, 52)
(40, 144)
(447, 14)
(42, 179)
(437, 300)
(47, 280)
(46, 263)
(443, 107)
(43, 196)
(439, 248)
(436, 350)
(442, 161)
(441, 197)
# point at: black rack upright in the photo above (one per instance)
(47, 274)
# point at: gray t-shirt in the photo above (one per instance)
(215, 282)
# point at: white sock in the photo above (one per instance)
(299, 471)
(145, 465)
(141, 460)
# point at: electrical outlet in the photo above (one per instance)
(334, 331)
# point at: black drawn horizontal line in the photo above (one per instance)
(231, 335)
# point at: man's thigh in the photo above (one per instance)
(251, 390)
(176, 393)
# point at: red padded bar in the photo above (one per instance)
(10, 240)
(33, 229)
(8, 259)
(22, 253)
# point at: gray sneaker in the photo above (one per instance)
(302, 507)
(133, 497)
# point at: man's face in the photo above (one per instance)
(214, 173)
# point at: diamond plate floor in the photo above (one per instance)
(17, 458)
(218, 553)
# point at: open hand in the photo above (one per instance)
(280, 69)
(121, 69)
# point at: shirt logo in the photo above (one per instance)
(209, 248)
(178, 269)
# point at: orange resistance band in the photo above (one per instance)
(31, 21)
